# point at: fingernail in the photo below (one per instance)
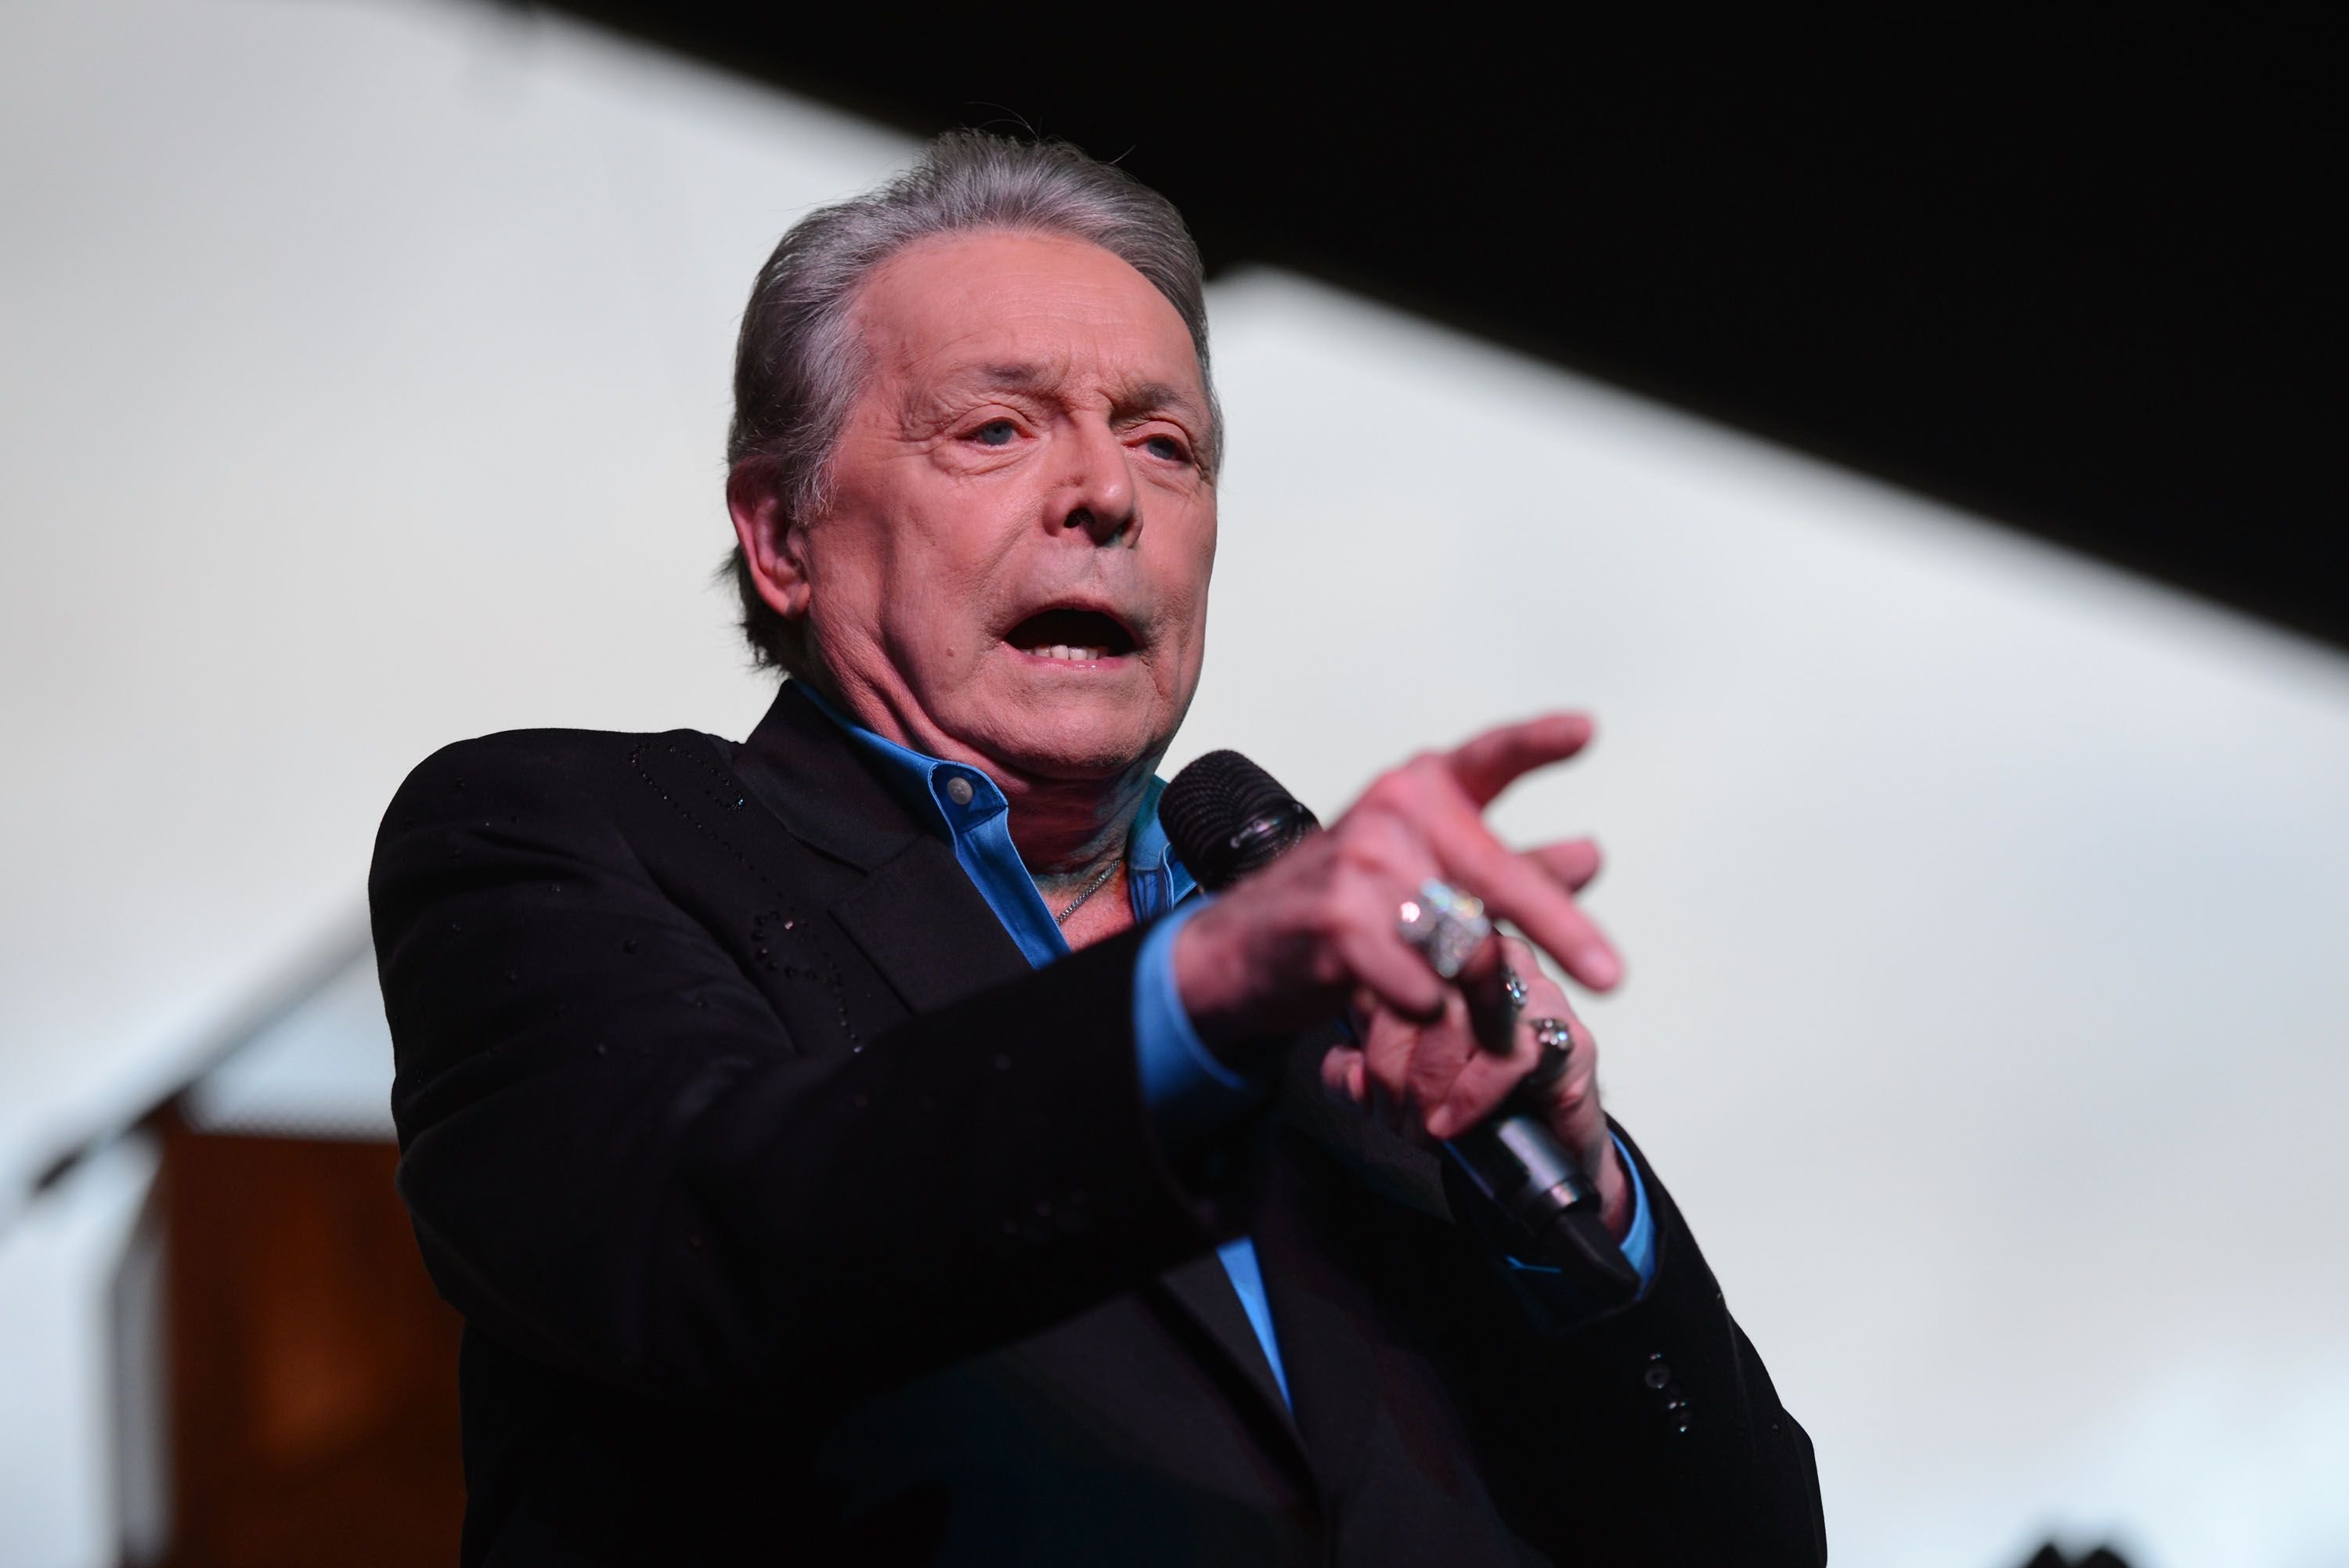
(1599, 967)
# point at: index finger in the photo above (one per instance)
(1491, 762)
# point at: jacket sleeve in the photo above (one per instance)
(618, 1163)
(1654, 1431)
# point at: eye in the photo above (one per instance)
(996, 433)
(1166, 448)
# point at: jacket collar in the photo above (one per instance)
(805, 770)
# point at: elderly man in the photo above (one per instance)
(859, 1145)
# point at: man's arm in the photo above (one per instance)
(618, 1161)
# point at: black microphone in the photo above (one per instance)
(1227, 817)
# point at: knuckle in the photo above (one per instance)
(1335, 912)
(1577, 1092)
(1362, 850)
(1428, 1074)
(1471, 1107)
(1327, 966)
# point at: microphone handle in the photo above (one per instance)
(1547, 1196)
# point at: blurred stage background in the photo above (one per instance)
(1987, 905)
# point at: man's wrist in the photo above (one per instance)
(1638, 1237)
(1616, 1200)
(1212, 983)
(1189, 1089)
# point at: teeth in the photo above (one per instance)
(1073, 655)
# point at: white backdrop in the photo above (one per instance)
(365, 386)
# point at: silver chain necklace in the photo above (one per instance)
(1100, 880)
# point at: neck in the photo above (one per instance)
(1068, 829)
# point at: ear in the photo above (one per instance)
(771, 540)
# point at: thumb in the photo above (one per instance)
(1345, 1075)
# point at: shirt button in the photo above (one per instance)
(958, 789)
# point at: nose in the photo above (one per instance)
(1097, 497)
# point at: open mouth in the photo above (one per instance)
(1074, 636)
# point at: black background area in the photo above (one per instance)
(2078, 276)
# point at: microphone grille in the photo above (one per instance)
(1211, 805)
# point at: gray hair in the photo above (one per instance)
(800, 363)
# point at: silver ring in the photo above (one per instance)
(1556, 1038)
(1446, 925)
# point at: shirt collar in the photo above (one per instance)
(1150, 861)
(952, 798)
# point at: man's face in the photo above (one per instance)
(1013, 564)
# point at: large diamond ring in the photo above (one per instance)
(1446, 925)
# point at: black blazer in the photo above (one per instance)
(795, 1219)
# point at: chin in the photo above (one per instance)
(1090, 740)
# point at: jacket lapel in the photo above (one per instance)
(1202, 1291)
(1330, 1328)
(927, 930)
(804, 770)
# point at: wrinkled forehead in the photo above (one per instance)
(1028, 316)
